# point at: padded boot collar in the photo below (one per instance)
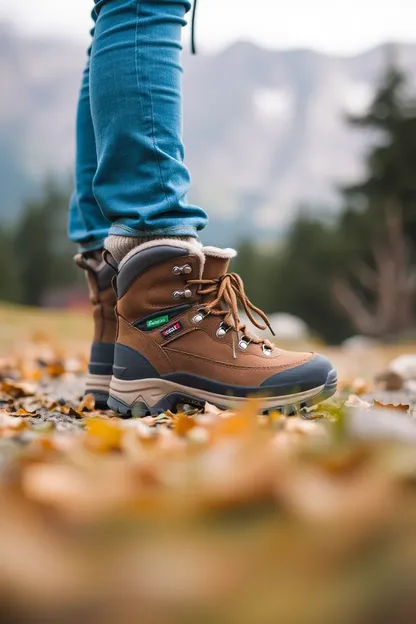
(217, 252)
(193, 247)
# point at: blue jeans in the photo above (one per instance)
(130, 178)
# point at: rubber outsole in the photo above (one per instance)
(152, 396)
(101, 400)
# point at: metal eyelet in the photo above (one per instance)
(266, 350)
(243, 344)
(199, 316)
(182, 294)
(178, 270)
(222, 330)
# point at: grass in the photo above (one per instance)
(70, 330)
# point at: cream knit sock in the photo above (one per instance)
(119, 246)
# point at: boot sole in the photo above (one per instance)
(151, 396)
(99, 387)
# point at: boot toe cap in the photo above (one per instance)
(311, 374)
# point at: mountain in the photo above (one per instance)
(264, 130)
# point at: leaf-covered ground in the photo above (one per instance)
(200, 517)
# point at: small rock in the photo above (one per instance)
(404, 366)
(359, 343)
(390, 381)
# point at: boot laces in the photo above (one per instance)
(229, 291)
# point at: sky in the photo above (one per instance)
(336, 26)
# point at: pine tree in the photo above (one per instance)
(379, 224)
(44, 254)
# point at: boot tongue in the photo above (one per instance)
(217, 262)
(215, 267)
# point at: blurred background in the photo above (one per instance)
(300, 134)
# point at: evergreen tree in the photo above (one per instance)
(379, 224)
(9, 280)
(303, 281)
(44, 255)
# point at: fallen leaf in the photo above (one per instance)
(87, 404)
(359, 386)
(68, 410)
(183, 424)
(103, 434)
(56, 369)
(17, 389)
(355, 401)
(400, 406)
(24, 412)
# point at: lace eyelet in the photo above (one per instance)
(222, 330)
(266, 350)
(182, 294)
(243, 344)
(199, 316)
(178, 270)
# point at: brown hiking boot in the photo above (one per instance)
(180, 340)
(102, 296)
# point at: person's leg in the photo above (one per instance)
(88, 228)
(141, 180)
(179, 338)
(87, 225)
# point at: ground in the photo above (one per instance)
(199, 516)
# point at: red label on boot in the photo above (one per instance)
(172, 329)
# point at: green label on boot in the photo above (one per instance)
(157, 322)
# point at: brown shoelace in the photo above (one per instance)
(229, 290)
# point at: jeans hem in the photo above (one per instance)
(125, 230)
(91, 246)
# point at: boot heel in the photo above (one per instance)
(99, 387)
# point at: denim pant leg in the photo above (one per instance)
(87, 225)
(141, 181)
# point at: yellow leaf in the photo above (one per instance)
(183, 424)
(55, 370)
(68, 410)
(103, 434)
(17, 389)
(87, 404)
(24, 412)
(359, 386)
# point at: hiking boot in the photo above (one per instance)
(102, 296)
(180, 340)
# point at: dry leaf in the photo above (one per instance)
(103, 434)
(400, 406)
(56, 369)
(359, 386)
(87, 404)
(68, 410)
(183, 424)
(355, 401)
(24, 412)
(17, 389)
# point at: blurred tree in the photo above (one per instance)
(303, 281)
(379, 225)
(43, 252)
(9, 281)
(297, 277)
(255, 265)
